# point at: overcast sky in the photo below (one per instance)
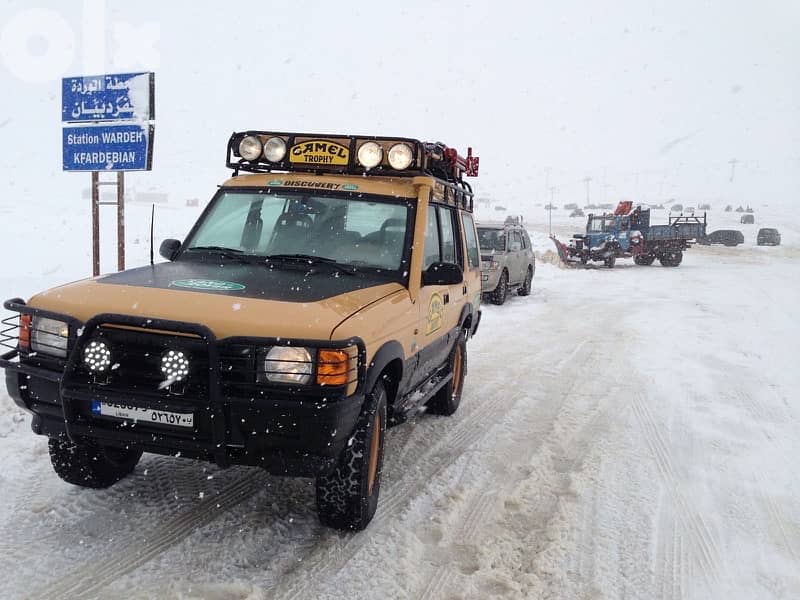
(649, 99)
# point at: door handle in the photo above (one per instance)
(447, 298)
(464, 290)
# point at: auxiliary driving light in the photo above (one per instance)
(370, 155)
(174, 365)
(97, 356)
(274, 149)
(400, 156)
(250, 147)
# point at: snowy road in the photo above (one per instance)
(624, 434)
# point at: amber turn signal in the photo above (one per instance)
(25, 332)
(332, 367)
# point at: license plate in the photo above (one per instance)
(138, 414)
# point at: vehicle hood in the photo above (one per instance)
(230, 299)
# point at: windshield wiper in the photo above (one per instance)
(234, 253)
(311, 259)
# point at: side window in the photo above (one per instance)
(516, 238)
(473, 254)
(431, 239)
(450, 252)
(526, 241)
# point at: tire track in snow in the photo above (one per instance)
(488, 497)
(703, 545)
(97, 573)
(337, 550)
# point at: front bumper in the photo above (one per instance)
(288, 430)
(489, 280)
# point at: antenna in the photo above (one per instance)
(152, 219)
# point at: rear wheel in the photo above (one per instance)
(348, 496)
(525, 289)
(671, 258)
(498, 296)
(447, 399)
(644, 260)
(91, 466)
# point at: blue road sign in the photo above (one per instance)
(125, 96)
(109, 147)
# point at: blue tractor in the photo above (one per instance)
(627, 233)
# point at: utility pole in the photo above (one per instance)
(550, 209)
(587, 180)
(732, 163)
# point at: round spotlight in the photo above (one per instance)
(97, 356)
(174, 365)
(400, 156)
(274, 149)
(250, 147)
(370, 155)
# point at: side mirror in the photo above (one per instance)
(169, 248)
(442, 273)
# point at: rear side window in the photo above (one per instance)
(473, 254)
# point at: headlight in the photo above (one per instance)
(250, 147)
(400, 156)
(370, 155)
(49, 336)
(287, 364)
(275, 149)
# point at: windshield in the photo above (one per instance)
(366, 231)
(491, 239)
(598, 224)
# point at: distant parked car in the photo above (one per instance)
(677, 208)
(748, 219)
(499, 207)
(726, 237)
(577, 213)
(739, 208)
(728, 208)
(689, 209)
(570, 206)
(550, 207)
(705, 207)
(767, 236)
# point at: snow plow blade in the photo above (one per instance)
(563, 253)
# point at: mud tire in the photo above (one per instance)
(500, 293)
(347, 498)
(91, 466)
(446, 400)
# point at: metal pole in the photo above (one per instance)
(95, 225)
(120, 221)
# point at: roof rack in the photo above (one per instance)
(267, 152)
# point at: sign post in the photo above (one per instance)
(108, 126)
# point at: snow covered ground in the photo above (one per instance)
(625, 433)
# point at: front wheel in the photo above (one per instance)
(498, 296)
(525, 289)
(91, 466)
(347, 498)
(446, 400)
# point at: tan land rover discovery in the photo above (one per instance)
(329, 288)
